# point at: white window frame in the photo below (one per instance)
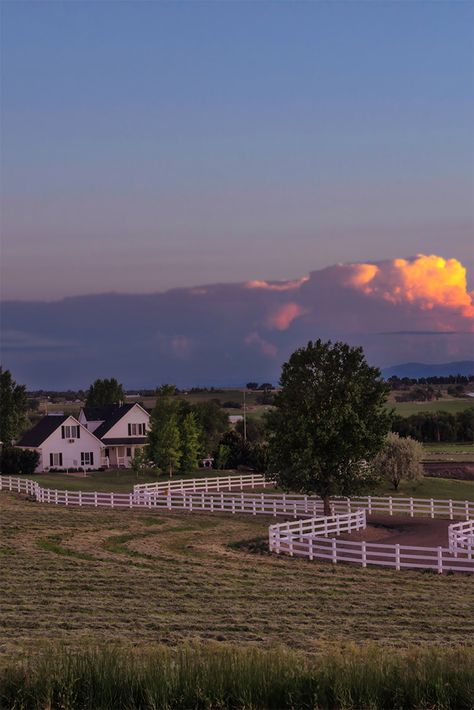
(86, 458)
(57, 459)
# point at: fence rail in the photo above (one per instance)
(461, 538)
(215, 483)
(309, 535)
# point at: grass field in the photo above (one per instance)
(218, 676)
(453, 406)
(77, 576)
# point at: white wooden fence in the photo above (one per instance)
(309, 536)
(215, 483)
(461, 538)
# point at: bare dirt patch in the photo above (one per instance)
(403, 530)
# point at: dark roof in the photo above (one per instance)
(40, 432)
(124, 441)
(114, 417)
(100, 414)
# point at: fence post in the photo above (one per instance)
(450, 509)
(334, 551)
(112, 500)
(412, 510)
(311, 555)
(278, 540)
(440, 560)
(369, 500)
(306, 504)
(80, 498)
(262, 502)
(254, 507)
(364, 554)
(233, 505)
(95, 499)
(295, 514)
(66, 498)
(168, 501)
(466, 506)
(290, 546)
(390, 505)
(274, 509)
(432, 507)
(397, 557)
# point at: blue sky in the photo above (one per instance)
(152, 145)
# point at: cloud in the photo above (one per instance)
(277, 285)
(428, 281)
(229, 333)
(283, 316)
(264, 346)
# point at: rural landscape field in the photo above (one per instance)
(236, 355)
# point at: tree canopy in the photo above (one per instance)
(103, 392)
(13, 408)
(399, 459)
(329, 421)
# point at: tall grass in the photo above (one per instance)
(217, 676)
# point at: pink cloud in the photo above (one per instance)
(277, 285)
(264, 346)
(428, 281)
(283, 316)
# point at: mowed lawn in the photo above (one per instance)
(138, 577)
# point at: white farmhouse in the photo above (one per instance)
(102, 437)
(63, 443)
(122, 428)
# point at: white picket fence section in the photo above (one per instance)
(215, 483)
(461, 538)
(309, 535)
(317, 546)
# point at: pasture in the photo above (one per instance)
(76, 576)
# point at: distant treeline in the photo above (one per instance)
(402, 382)
(437, 426)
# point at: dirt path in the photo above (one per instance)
(403, 530)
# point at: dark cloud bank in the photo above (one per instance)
(399, 311)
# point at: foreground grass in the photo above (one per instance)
(222, 676)
(82, 575)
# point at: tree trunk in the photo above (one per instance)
(327, 505)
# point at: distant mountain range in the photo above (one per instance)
(423, 369)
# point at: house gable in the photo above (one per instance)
(132, 424)
(68, 445)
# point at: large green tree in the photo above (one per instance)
(164, 440)
(329, 421)
(105, 392)
(13, 408)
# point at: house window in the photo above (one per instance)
(71, 432)
(129, 451)
(87, 458)
(136, 429)
(56, 459)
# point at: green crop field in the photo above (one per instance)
(76, 575)
(453, 406)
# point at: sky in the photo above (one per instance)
(153, 145)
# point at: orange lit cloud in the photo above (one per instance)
(426, 281)
(263, 345)
(279, 285)
(283, 316)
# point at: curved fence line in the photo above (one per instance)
(308, 536)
